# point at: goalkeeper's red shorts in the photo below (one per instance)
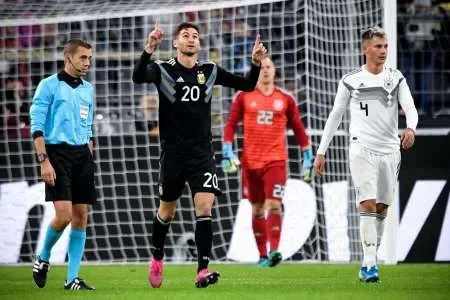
(265, 183)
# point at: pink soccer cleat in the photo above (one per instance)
(155, 273)
(206, 277)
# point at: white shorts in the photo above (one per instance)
(374, 174)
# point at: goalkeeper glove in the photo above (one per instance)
(308, 160)
(230, 161)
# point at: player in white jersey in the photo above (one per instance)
(373, 93)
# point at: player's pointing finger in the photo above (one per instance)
(258, 40)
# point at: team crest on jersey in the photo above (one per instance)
(388, 83)
(278, 104)
(201, 78)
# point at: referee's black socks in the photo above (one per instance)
(160, 229)
(203, 239)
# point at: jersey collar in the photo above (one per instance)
(72, 81)
(364, 68)
(187, 69)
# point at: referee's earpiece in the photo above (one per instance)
(76, 69)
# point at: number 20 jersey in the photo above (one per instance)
(185, 105)
(185, 97)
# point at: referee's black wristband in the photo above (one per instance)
(37, 134)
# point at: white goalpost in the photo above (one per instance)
(312, 43)
(389, 242)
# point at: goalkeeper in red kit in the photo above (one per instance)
(266, 113)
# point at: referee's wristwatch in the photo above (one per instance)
(42, 157)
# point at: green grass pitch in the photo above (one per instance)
(241, 282)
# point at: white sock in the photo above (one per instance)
(380, 229)
(368, 233)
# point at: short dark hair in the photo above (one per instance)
(370, 32)
(72, 45)
(182, 26)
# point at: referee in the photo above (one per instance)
(61, 126)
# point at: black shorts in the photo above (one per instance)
(199, 172)
(74, 168)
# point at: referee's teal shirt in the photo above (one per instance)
(63, 110)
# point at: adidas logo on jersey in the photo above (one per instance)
(180, 79)
(171, 62)
(361, 85)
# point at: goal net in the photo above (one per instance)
(312, 43)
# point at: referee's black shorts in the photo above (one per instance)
(74, 168)
(199, 172)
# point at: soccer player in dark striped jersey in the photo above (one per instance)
(185, 89)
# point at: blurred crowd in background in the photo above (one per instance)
(32, 52)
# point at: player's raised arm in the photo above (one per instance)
(145, 70)
(247, 83)
(259, 51)
(154, 38)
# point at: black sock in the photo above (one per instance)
(203, 239)
(160, 229)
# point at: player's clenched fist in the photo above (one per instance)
(319, 164)
(154, 38)
(407, 138)
(259, 51)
